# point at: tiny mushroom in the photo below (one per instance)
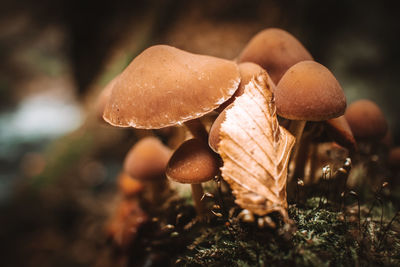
(275, 50)
(146, 162)
(366, 120)
(193, 163)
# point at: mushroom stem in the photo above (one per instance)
(301, 159)
(197, 194)
(197, 129)
(296, 128)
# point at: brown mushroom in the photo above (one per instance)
(275, 50)
(193, 163)
(146, 162)
(165, 86)
(308, 92)
(366, 120)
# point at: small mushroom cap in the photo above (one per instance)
(165, 86)
(309, 91)
(366, 120)
(340, 131)
(248, 71)
(147, 160)
(103, 98)
(193, 163)
(275, 50)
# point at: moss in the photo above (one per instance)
(321, 235)
(322, 238)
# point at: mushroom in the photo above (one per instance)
(366, 120)
(193, 163)
(275, 50)
(165, 86)
(146, 162)
(308, 92)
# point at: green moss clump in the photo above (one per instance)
(322, 238)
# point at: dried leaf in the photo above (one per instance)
(255, 150)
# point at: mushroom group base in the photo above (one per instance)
(322, 234)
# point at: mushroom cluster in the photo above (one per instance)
(168, 87)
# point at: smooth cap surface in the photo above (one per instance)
(275, 50)
(309, 91)
(165, 86)
(193, 163)
(366, 120)
(147, 160)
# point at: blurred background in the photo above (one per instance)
(58, 164)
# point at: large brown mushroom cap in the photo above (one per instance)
(147, 160)
(308, 91)
(366, 120)
(192, 163)
(275, 50)
(165, 86)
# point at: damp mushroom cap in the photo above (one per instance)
(165, 86)
(309, 92)
(275, 50)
